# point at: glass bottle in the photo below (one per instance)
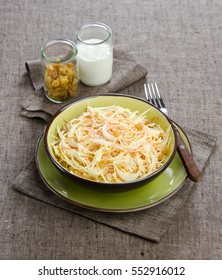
(60, 70)
(95, 53)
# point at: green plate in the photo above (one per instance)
(112, 200)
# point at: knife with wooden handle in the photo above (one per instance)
(187, 159)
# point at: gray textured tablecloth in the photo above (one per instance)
(150, 224)
(179, 42)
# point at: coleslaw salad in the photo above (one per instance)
(111, 144)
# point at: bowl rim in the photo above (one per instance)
(138, 181)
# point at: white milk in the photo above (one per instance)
(95, 62)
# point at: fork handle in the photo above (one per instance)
(187, 159)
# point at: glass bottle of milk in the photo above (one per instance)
(95, 54)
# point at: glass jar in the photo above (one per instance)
(60, 70)
(95, 53)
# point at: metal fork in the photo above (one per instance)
(153, 96)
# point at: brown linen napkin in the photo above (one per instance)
(151, 223)
(126, 72)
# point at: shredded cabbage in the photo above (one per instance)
(111, 144)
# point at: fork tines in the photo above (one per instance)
(153, 95)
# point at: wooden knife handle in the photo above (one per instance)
(187, 159)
